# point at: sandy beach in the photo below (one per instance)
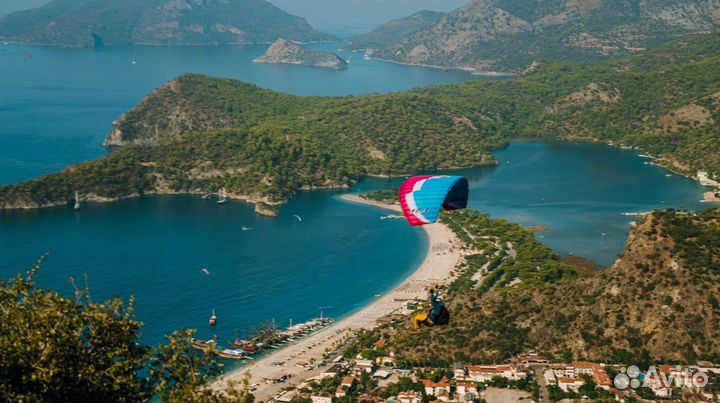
(294, 360)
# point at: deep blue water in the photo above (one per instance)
(56, 107)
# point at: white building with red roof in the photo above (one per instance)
(570, 384)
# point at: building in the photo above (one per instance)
(577, 369)
(363, 366)
(568, 384)
(466, 391)
(382, 374)
(600, 376)
(528, 359)
(550, 377)
(387, 360)
(487, 373)
(321, 398)
(345, 385)
(409, 397)
(438, 388)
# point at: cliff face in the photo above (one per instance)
(506, 35)
(88, 23)
(658, 302)
(286, 52)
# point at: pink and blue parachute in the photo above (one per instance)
(423, 197)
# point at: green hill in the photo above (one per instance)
(657, 303)
(197, 134)
(88, 23)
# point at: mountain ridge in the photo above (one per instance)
(395, 30)
(509, 35)
(95, 23)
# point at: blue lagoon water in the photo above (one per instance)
(56, 107)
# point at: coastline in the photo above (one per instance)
(288, 361)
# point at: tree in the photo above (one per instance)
(59, 349)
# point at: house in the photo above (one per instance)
(528, 359)
(368, 399)
(437, 388)
(286, 397)
(658, 386)
(321, 398)
(382, 374)
(345, 385)
(563, 370)
(380, 343)
(363, 366)
(550, 377)
(443, 395)
(618, 394)
(387, 361)
(459, 372)
(600, 376)
(487, 373)
(569, 384)
(409, 397)
(466, 391)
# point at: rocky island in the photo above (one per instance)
(286, 52)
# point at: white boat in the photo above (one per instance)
(213, 319)
(244, 228)
(222, 198)
(77, 201)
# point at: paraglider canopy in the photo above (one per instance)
(423, 197)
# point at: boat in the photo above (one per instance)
(206, 196)
(244, 228)
(222, 198)
(203, 345)
(244, 345)
(213, 319)
(233, 354)
(77, 201)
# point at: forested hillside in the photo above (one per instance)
(666, 101)
(657, 303)
(94, 23)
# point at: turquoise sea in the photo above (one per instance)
(56, 107)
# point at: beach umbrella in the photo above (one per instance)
(423, 197)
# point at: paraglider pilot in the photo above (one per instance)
(438, 314)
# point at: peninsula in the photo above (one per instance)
(197, 134)
(286, 52)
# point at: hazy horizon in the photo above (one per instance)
(339, 17)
